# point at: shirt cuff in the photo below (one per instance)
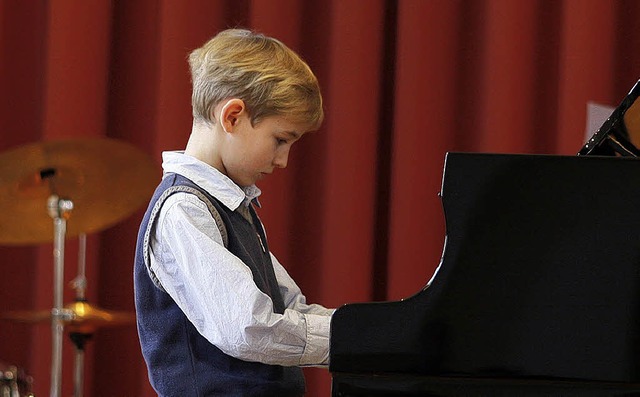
(316, 351)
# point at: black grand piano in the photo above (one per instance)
(538, 289)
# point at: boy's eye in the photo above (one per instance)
(281, 141)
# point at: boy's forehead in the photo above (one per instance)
(288, 125)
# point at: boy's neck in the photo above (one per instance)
(202, 145)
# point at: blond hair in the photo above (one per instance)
(269, 77)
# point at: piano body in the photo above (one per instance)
(538, 289)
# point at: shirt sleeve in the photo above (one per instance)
(216, 291)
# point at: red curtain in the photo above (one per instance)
(355, 217)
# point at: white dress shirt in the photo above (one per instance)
(215, 289)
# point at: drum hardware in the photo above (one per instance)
(106, 180)
(14, 382)
(80, 318)
(101, 181)
(59, 210)
(79, 339)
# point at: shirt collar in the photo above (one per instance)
(210, 179)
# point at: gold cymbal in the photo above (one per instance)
(105, 179)
(82, 317)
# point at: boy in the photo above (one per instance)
(217, 313)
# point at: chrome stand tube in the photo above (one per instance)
(59, 210)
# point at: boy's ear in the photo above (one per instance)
(230, 112)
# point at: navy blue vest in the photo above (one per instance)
(180, 361)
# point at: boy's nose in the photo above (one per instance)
(281, 159)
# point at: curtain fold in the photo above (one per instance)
(356, 215)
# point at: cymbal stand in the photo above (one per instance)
(79, 339)
(60, 210)
(80, 282)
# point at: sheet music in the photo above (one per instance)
(597, 114)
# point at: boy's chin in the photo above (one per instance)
(246, 182)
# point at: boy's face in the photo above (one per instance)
(255, 151)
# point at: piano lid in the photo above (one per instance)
(620, 133)
(539, 282)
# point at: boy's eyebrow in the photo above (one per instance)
(293, 134)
